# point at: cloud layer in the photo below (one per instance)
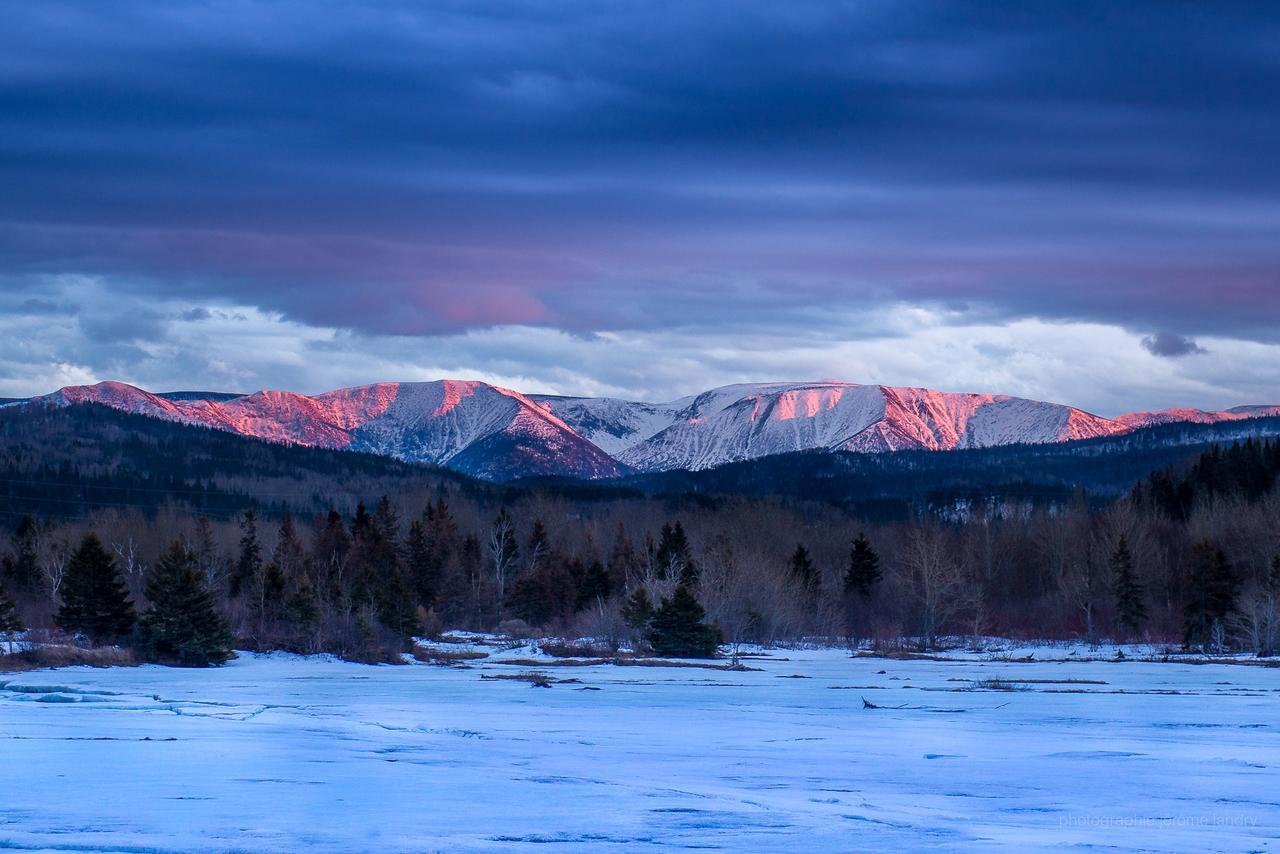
(434, 187)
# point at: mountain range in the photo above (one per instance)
(500, 434)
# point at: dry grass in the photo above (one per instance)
(560, 649)
(621, 661)
(537, 680)
(446, 657)
(901, 655)
(997, 685)
(66, 656)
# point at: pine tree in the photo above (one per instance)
(95, 599)
(532, 599)
(10, 622)
(623, 564)
(22, 568)
(1131, 612)
(268, 595)
(674, 557)
(182, 627)
(637, 610)
(539, 547)
(864, 568)
(1211, 595)
(420, 564)
(386, 521)
(678, 631)
(595, 584)
(331, 549)
(206, 550)
(248, 565)
(802, 570)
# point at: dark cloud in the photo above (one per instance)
(1171, 345)
(409, 168)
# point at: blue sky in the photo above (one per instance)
(1074, 201)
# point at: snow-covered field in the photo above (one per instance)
(278, 753)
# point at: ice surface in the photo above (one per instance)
(279, 753)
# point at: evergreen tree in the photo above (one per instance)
(864, 568)
(637, 610)
(674, 558)
(290, 554)
(386, 521)
(1131, 611)
(10, 622)
(182, 627)
(331, 549)
(539, 547)
(22, 567)
(95, 599)
(595, 584)
(802, 571)
(362, 521)
(302, 610)
(1211, 595)
(420, 563)
(623, 564)
(532, 599)
(206, 550)
(1273, 580)
(248, 565)
(678, 631)
(268, 595)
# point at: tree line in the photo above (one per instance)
(1191, 556)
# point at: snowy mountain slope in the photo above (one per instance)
(747, 421)
(1196, 416)
(613, 425)
(497, 433)
(438, 422)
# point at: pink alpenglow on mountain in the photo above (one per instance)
(496, 433)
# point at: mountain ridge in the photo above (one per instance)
(500, 434)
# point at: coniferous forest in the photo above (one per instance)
(181, 544)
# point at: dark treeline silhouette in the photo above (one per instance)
(1191, 555)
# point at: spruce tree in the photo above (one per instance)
(22, 567)
(1131, 611)
(864, 568)
(420, 563)
(248, 564)
(1211, 595)
(678, 631)
(181, 626)
(95, 599)
(802, 570)
(674, 557)
(637, 610)
(539, 547)
(594, 585)
(10, 622)
(532, 599)
(386, 521)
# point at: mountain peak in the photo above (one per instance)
(495, 432)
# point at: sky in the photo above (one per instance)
(1072, 201)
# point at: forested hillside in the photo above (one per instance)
(313, 550)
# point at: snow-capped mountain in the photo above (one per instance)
(469, 426)
(1197, 416)
(497, 433)
(742, 422)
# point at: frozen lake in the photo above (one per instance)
(276, 753)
